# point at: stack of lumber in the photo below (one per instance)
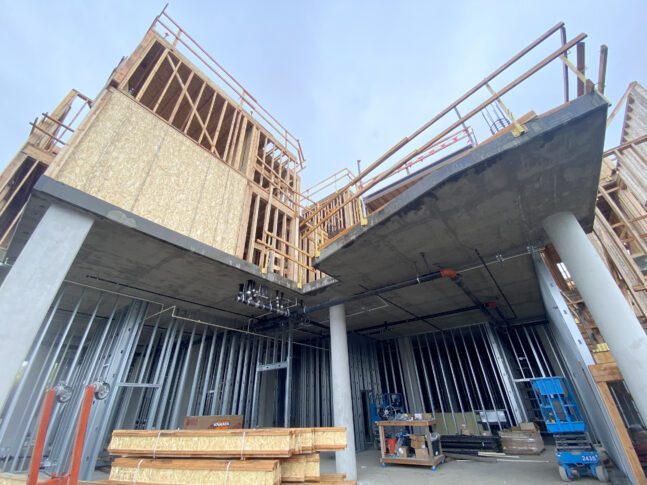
(266, 456)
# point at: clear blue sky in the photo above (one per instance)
(348, 78)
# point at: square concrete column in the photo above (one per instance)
(611, 311)
(342, 404)
(32, 283)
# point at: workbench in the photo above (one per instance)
(428, 424)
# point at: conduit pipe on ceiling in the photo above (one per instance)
(443, 273)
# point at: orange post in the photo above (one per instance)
(37, 455)
(82, 427)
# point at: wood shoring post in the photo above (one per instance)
(555, 54)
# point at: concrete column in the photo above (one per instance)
(32, 283)
(341, 396)
(613, 315)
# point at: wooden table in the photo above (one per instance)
(432, 461)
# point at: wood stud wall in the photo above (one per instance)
(168, 85)
(31, 161)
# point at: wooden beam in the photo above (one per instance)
(605, 372)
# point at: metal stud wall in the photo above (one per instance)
(473, 374)
(161, 365)
(87, 336)
(312, 387)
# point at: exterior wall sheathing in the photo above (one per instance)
(128, 157)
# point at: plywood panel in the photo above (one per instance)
(129, 157)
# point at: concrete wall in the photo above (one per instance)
(127, 156)
(577, 357)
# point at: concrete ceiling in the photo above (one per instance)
(492, 200)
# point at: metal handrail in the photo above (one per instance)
(360, 188)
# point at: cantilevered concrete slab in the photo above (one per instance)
(492, 200)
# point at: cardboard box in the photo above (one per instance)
(422, 453)
(418, 441)
(214, 422)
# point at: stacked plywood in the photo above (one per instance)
(227, 443)
(224, 456)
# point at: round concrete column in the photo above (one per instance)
(341, 397)
(613, 315)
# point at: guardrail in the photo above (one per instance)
(177, 36)
(361, 183)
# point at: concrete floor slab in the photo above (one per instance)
(530, 470)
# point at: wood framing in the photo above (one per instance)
(48, 136)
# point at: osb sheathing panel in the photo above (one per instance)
(190, 472)
(130, 158)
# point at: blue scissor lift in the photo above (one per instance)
(573, 448)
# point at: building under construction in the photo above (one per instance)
(157, 239)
